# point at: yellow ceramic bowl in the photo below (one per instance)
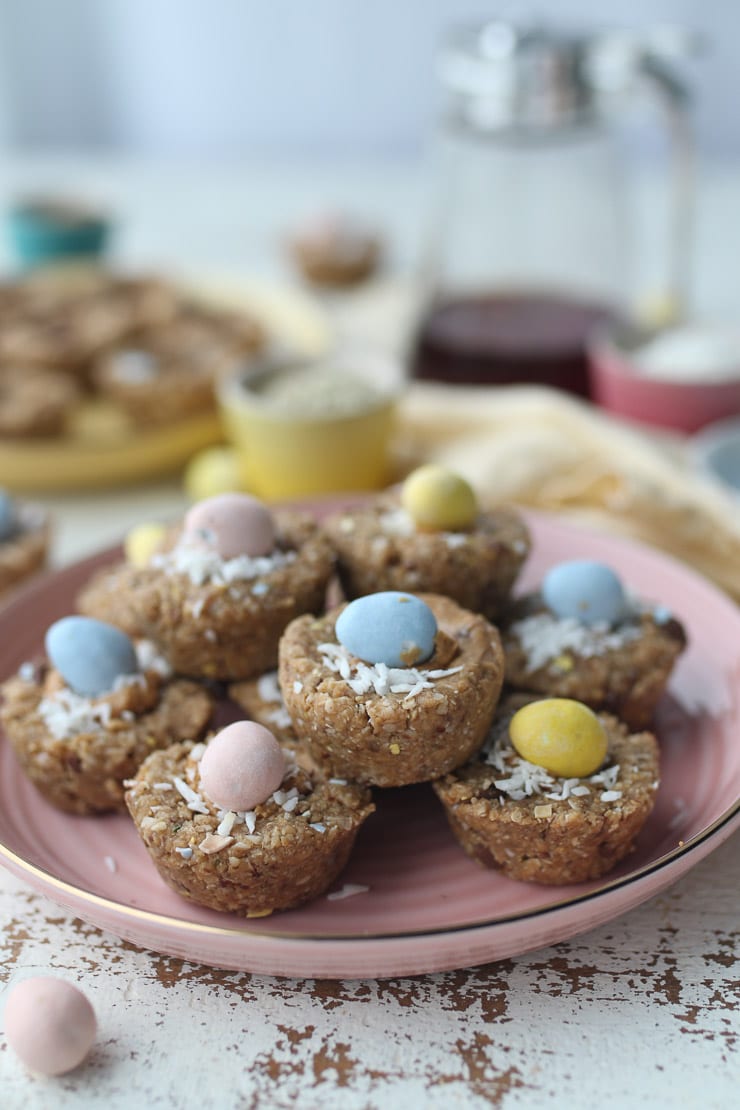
(317, 440)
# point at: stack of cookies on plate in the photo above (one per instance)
(137, 342)
(401, 682)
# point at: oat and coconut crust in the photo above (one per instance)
(623, 670)
(283, 853)
(379, 547)
(78, 751)
(392, 727)
(107, 596)
(513, 816)
(262, 701)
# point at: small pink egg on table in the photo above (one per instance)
(242, 766)
(232, 523)
(49, 1024)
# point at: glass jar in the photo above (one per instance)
(530, 241)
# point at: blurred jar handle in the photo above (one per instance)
(620, 62)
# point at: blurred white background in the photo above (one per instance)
(284, 77)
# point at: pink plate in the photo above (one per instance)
(429, 908)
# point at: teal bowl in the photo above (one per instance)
(44, 232)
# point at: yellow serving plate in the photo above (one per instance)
(102, 448)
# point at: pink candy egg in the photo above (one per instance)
(232, 523)
(49, 1024)
(242, 766)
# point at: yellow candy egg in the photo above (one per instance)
(142, 542)
(211, 472)
(438, 499)
(561, 735)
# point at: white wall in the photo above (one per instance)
(282, 76)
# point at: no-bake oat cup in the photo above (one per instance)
(392, 726)
(282, 852)
(536, 826)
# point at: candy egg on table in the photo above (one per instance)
(438, 499)
(562, 735)
(586, 591)
(389, 627)
(242, 766)
(143, 541)
(232, 523)
(49, 1024)
(89, 654)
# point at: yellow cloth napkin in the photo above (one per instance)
(543, 449)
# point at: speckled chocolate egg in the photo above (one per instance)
(89, 654)
(438, 499)
(233, 524)
(49, 1024)
(394, 628)
(586, 591)
(562, 735)
(242, 766)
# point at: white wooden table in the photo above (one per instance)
(640, 1012)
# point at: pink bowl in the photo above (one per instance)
(618, 385)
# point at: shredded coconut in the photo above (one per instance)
(522, 779)
(203, 564)
(149, 659)
(68, 714)
(268, 688)
(134, 366)
(27, 672)
(318, 826)
(250, 820)
(544, 636)
(227, 823)
(212, 843)
(397, 522)
(347, 891)
(192, 799)
(186, 853)
(364, 677)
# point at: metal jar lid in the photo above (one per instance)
(531, 77)
(502, 76)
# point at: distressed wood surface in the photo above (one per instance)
(640, 1012)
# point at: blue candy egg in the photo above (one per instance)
(590, 592)
(89, 654)
(8, 517)
(390, 627)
